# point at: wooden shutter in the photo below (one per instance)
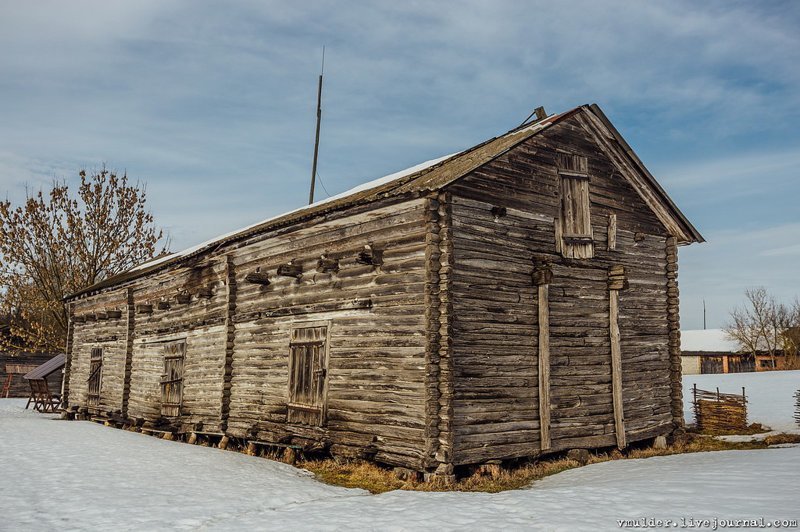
(575, 236)
(172, 379)
(95, 374)
(308, 374)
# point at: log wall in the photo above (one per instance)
(376, 375)
(361, 273)
(162, 317)
(445, 316)
(503, 223)
(99, 322)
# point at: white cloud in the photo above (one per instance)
(733, 168)
(213, 104)
(732, 261)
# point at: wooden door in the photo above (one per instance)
(308, 375)
(95, 374)
(172, 379)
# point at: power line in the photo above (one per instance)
(323, 185)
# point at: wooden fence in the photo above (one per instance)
(797, 407)
(717, 412)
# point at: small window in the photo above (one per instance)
(95, 375)
(308, 375)
(172, 379)
(574, 230)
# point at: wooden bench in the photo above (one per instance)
(42, 398)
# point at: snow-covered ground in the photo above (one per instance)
(770, 395)
(59, 475)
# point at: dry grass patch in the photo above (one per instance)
(377, 479)
(780, 439)
(753, 428)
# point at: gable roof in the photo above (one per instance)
(708, 340)
(431, 176)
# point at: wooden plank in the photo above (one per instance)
(616, 367)
(611, 243)
(130, 326)
(544, 366)
(230, 339)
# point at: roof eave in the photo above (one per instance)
(692, 234)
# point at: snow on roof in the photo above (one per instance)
(375, 183)
(708, 340)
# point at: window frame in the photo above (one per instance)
(574, 232)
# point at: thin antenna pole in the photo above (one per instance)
(704, 314)
(316, 139)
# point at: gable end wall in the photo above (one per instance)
(495, 318)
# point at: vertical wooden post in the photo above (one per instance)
(616, 368)
(544, 366)
(68, 351)
(130, 314)
(230, 335)
(616, 282)
(542, 277)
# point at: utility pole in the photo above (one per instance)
(316, 139)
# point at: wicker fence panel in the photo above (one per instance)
(717, 412)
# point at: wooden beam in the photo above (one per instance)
(205, 292)
(68, 351)
(544, 366)
(329, 306)
(370, 256)
(230, 337)
(290, 269)
(257, 277)
(326, 264)
(130, 325)
(144, 308)
(616, 367)
(612, 232)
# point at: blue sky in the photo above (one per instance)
(213, 104)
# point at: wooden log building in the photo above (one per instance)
(512, 300)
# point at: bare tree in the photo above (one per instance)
(761, 326)
(747, 323)
(55, 244)
(791, 338)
